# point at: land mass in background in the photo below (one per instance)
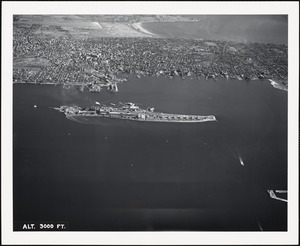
(96, 51)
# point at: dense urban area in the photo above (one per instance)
(50, 54)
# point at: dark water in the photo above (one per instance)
(239, 28)
(127, 175)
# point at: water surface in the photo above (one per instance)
(238, 28)
(128, 175)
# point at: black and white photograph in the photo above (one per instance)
(150, 118)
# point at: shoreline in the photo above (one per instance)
(277, 85)
(138, 26)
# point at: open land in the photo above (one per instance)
(100, 51)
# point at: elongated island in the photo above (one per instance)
(129, 111)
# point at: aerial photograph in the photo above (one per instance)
(161, 122)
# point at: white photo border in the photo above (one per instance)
(130, 238)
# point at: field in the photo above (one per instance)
(237, 28)
(80, 26)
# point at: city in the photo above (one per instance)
(52, 55)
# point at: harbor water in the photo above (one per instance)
(236, 28)
(129, 175)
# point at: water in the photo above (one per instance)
(238, 28)
(128, 175)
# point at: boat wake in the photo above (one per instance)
(238, 156)
(241, 160)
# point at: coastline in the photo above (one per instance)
(138, 26)
(277, 85)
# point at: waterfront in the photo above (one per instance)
(131, 176)
(95, 62)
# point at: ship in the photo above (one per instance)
(129, 111)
